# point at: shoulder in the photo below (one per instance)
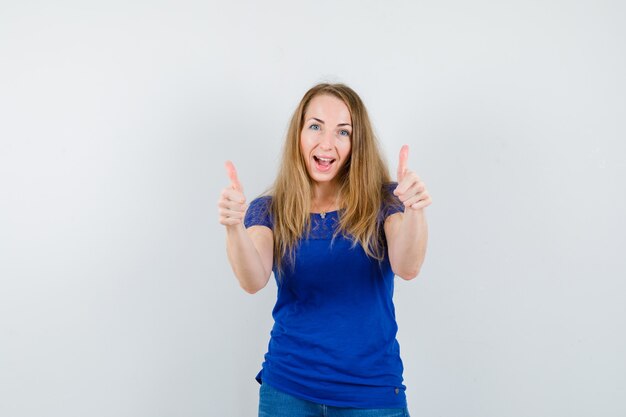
(390, 204)
(259, 212)
(263, 200)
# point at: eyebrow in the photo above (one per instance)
(322, 122)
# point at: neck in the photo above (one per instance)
(325, 191)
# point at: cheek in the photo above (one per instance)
(305, 141)
(303, 144)
(347, 149)
(305, 151)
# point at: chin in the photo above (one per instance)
(322, 177)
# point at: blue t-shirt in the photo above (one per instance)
(334, 335)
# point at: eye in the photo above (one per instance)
(314, 126)
(344, 132)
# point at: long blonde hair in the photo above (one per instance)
(360, 183)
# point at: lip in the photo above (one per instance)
(321, 168)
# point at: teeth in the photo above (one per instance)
(324, 159)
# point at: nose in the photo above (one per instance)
(327, 140)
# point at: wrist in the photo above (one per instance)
(235, 229)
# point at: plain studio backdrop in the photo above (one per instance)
(116, 117)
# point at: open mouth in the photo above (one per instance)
(323, 164)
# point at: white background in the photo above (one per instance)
(116, 296)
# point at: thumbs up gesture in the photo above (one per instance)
(410, 190)
(231, 204)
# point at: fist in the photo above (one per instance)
(232, 203)
(410, 190)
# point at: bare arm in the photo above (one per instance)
(250, 252)
(407, 238)
(407, 233)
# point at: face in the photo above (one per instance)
(325, 140)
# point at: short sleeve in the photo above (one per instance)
(391, 204)
(259, 213)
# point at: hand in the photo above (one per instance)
(410, 190)
(231, 204)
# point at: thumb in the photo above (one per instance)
(232, 174)
(404, 156)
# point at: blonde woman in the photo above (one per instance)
(335, 230)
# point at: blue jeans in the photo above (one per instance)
(275, 403)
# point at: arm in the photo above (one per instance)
(407, 238)
(407, 233)
(250, 253)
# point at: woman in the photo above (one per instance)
(334, 230)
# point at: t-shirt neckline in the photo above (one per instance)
(326, 213)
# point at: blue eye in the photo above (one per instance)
(344, 132)
(314, 126)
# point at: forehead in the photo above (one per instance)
(328, 108)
